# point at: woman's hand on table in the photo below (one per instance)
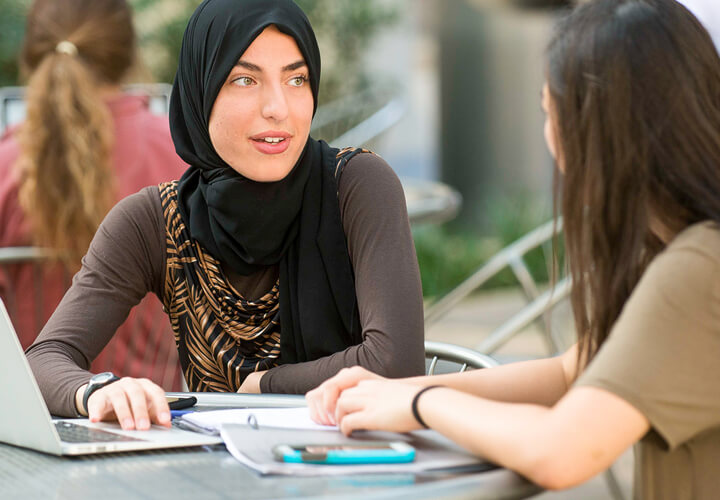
(377, 405)
(322, 401)
(135, 403)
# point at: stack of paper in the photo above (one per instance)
(253, 447)
(282, 418)
(250, 435)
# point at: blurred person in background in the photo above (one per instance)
(632, 104)
(83, 146)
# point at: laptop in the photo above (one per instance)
(12, 101)
(25, 420)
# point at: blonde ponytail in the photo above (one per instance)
(66, 142)
(72, 49)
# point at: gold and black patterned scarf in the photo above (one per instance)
(221, 336)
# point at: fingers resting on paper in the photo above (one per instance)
(377, 405)
(323, 399)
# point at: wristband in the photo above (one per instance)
(414, 405)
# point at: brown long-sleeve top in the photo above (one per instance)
(126, 260)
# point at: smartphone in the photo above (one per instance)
(356, 453)
(176, 403)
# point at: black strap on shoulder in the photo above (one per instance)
(343, 157)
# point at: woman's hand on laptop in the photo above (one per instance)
(135, 403)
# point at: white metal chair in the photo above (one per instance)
(16, 263)
(440, 356)
(539, 305)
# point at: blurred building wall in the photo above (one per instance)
(491, 67)
(404, 57)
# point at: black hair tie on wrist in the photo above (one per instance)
(414, 405)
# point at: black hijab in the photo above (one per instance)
(247, 225)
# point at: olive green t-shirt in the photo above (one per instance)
(663, 357)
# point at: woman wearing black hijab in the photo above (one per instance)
(279, 259)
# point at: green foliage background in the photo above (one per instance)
(12, 27)
(447, 256)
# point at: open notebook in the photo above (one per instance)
(250, 435)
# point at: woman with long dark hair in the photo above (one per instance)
(633, 120)
(279, 259)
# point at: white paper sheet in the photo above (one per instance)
(283, 418)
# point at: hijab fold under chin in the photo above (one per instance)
(293, 223)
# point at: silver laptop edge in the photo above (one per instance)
(25, 420)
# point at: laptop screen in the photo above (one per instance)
(12, 101)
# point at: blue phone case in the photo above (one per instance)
(349, 457)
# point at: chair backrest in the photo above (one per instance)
(442, 357)
(538, 304)
(20, 266)
(32, 285)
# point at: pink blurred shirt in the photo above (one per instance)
(143, 155)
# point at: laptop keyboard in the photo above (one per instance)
(73, 433)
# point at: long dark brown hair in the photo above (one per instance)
(64, 167)
(635, 96)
